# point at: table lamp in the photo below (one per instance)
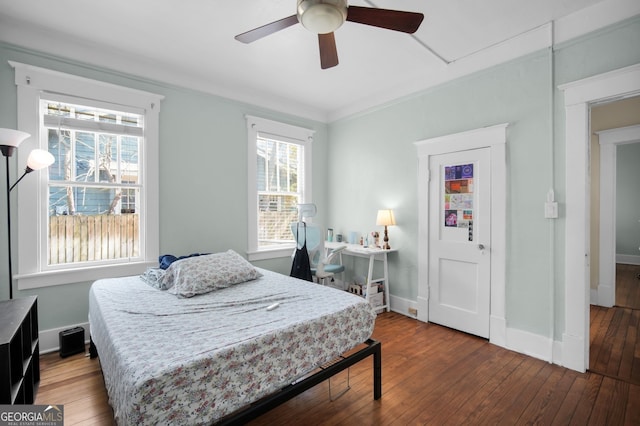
(385, 218)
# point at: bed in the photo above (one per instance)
(227, 355)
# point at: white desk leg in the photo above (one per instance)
(370, 275)
(386, 282)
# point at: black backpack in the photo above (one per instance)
(301, 267)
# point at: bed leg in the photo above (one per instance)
(93, 351)
(377, 372)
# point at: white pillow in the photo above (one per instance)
(203, 274)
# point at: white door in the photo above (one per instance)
(459, 240)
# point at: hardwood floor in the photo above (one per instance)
(431, 375)
(628, 286)
(615, 332)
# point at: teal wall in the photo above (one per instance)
(601, 51)
(363, 163)
(628, 200)
(373, 153)
(203, 175)
(517, 93)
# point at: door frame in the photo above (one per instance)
(495, 138)
(609, 141)
(578, 98)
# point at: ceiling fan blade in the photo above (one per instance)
(397, 20)
(328, 50)
(265, 30)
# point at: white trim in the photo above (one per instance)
(270, 254)
(609, 141)
(531, 344)
(86, 274)
(578, 96)
(494, 137)
(32, 84)
(605, 295)
(628, 259)
(288, 133)
(597, 16)
(402, 305)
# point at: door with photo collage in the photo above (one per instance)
(459, 240)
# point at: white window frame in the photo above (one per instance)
(287, 133)
(34, 83)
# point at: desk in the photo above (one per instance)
(372, 254)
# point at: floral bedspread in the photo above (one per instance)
(167, 360)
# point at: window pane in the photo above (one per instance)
(129, 158)
(90, 222)
(133, 120)
(60, 148)
(85, 238)
(85, 153)
(261, 173)
(107, 160)
(276, 213)
(84, 113)
(83, 226)
(128, 200)
(107, 117)
(278, 197)
(83, 200)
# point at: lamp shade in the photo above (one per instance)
(39, 159)
(385, 218)
(10, 139)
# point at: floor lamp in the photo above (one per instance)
(38, 159)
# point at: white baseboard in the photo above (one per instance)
(603, 296)
(402, 306)
(536, 346)
(557, 352)
(628, 259)
(498, 331)
(574, 348)
(531, 344)
(50, 339)
(606, 295)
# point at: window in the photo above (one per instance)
(95, 210)
(93, 183)
(279, 180)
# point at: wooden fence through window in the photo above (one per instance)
(79, 238)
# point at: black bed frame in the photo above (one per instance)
(263, 405)
(373, 347)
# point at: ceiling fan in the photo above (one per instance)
(323, 17)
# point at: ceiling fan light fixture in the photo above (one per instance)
(322, 16)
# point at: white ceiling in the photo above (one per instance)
(191, 43)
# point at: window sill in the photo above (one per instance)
(61, 277)
(270, 254)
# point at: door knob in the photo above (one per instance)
(480, 246)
